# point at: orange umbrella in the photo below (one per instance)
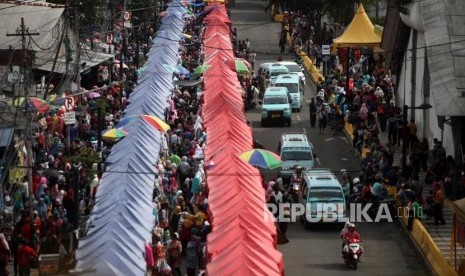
(156, 122)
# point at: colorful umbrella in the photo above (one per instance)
(156, 122)
(93, 95)
(261, 158)
(238, 66)
(182, 70)
(114, 134)
(152, 120)
(246, 62)
(38, 105)
(171, 68)
(201, 69)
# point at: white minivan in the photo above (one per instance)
(323, 197)
(295, 150)
(273, 69)
(295, 87)
(294, 68)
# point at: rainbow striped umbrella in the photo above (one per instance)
(152, 120)
(261, 158)
(114, 134)
(36, 104)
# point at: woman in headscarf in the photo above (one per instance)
(42, 185)
(364, 112)
(42, 209)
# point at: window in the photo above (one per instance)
(275, 100)
(292, 87)
(325, 194)
(277, 73)
(296, 155)
(293, 68)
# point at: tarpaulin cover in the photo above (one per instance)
(122, 217)
(360, 32)
(243, 237)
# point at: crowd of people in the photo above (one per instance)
(365, 98)
(66, 175)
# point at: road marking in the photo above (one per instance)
(304, 130)
(318, 161)
(344, 159)
(298, 117)
(329, 139)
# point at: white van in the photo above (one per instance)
(322, 194)
(295, 150)
(272, 69)
(276, 106)
(295, 86)
(294, 68)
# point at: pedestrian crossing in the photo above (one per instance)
(441, 234)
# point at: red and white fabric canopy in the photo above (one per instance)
(243, 237)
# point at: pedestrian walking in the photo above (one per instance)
(438, 200)
(174, 252)
(282, 44)
(313, 110)
(322, 119)
(4, 254)
(392, 128)
(251, 57)
(412, 128)
(25, 254)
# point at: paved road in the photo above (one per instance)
(317, 251)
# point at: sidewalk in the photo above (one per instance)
(441, 234)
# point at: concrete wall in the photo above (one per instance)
(426, 120)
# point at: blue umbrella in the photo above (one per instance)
(171, 68)
(182, 70)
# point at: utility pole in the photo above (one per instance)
(23, 32)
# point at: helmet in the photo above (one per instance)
(351, 227)
(356, 181)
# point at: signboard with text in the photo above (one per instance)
(70, 118)
(326, 50)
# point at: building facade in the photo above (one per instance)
(424, 45)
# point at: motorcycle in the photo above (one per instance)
(352, 253)
(295, 189)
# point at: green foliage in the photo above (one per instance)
(87, 156)
(403, 3)
(69, 51)
(91, 13)
(381, 20)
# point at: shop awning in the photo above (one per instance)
(360, 32)
(89, 59)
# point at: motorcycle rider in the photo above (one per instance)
(357, 190)
(296, 179)
(343, 232)
(345, 184)
(349, 235)
(297, 176)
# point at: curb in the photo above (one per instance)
(417, 247)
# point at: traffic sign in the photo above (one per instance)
(325, 50)
(69, 103)
(70, 118)
(109, 38)
(15, 76)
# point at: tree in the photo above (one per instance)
(91, 13)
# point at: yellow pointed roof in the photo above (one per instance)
(360, 32)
